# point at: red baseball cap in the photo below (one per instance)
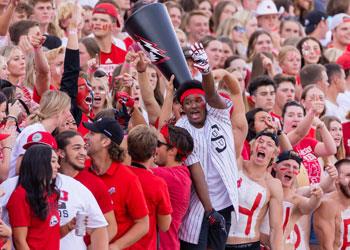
(106, 8)
(41, 137)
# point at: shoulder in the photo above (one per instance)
(274, 185)
(328, 205)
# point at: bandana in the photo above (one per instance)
(165, 132)
(191, 92)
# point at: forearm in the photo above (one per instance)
(137, 118)
(201, 187)
(99, 239)
(302, 129)
(5, 164)
(276, 238)
(208, 85)
(42, 71)
(21, 244)
(135, 233)
(5, 19)
(166, 110)
(327, 140)
(285, 144)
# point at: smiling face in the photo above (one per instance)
(311, 51)
(263, 151)
(263, 44)
(344, 179)
(75, 153)
(286, 172)
(54, 164)
(336, 131)
(194, 108)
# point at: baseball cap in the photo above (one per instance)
(339, 19)
(107, 126)
(289, 155)
(106, 8)
(312, 19)
(344, 59)
(41, 137)
(267, 7)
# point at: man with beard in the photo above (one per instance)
(259, 194)
(332, 218)
(72, 155)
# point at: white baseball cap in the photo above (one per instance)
(339, 19)
(267, 7)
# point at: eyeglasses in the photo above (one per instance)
(239, 29)
(160, 143)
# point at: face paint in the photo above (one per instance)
(106, 26)
(85, 96)
(294, 171)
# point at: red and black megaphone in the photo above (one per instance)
(150, 26)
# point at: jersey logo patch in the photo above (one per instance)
(111, 190)
(155, 54)
(53, 221)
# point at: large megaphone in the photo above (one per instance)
(150, 26)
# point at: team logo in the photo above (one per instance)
(53, 221)
(155, 54)
(37, 137)
(111, 190)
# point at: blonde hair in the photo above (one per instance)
(104, 82)
(65, 10)
(52, 103)
(226, 27)
(52, 54)
(30, 77)
(2, 61)
(7, 50)
(284, 51)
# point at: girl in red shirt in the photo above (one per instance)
(33, 206)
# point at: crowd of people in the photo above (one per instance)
(99, 150)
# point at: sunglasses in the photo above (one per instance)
(239, 29)
(160, 143)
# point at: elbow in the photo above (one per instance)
(165, 225)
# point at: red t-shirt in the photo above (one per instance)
(179, 182)
(346, 137)
(81, 129)
(158, 203)
(36, 96)
(128, 199)
(42, 234)
(97, 188)
(306, 150)
(108, 61)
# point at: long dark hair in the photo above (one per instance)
(35, 177)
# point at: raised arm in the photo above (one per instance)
(151, 104)
(327, 147)
(238, 119)
(6, 16)
(166, 110)
(42, 70)
(302, 129)
(200, 59)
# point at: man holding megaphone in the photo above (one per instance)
(212, 163)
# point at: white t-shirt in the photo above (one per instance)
(335, 110)
(21, 139)
(74, 197)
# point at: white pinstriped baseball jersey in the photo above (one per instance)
(213, 144)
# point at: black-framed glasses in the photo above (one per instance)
(160, 143)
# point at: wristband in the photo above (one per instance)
(72, 31)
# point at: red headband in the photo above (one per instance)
(191, 92)
(165, 132)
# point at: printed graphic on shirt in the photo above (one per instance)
(53, 221)
(62, 207)
(218, 139)
(155, 54)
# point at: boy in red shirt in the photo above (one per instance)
(130, 208)
(105, 19)
(142, 144)
(174, 145)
